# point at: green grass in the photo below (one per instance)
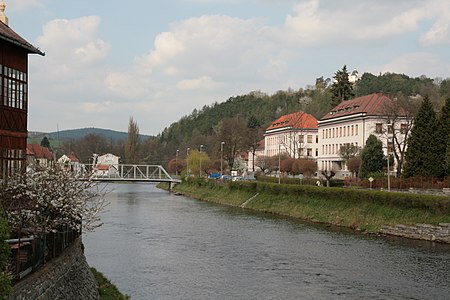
(360, 214)
(106, 289)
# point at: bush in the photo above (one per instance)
(5, 280)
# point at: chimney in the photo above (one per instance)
(3, 17)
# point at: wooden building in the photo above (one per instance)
(14, 97)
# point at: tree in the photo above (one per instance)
(348, 151)
(341, 88)
(354, 165)
(198, 162)
(132, 143)
(422, 154)
(372, 156)
(442, 135)
(307, 167)
(264, 163)
(400, 119)
(52, 198)
(45, 142)
(447, 159)
(234, 132)
(175, 166)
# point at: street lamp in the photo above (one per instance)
(176, 162)
(279, 162)
(200, 171)
(221, 157)
(187, 161)
(388, 157)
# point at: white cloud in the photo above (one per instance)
(414, 64)
(20, 5)
(317, 22)
(201, 83)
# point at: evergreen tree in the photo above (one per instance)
(45, 142)
(342, 89)
(447, 158)
(372, 156)
(422, 157)
(442, 135)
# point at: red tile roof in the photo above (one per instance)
(39, 152)
(297, 120)
(373, 104)
(9, 35)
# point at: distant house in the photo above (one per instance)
(350, 123)
(70, 162)
(106, 165)
(39, 156)
(14, 98)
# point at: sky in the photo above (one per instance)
(157, 61)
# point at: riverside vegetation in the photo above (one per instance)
(362, 210)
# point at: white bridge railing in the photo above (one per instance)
(122, 172)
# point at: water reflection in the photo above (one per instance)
(160, 246)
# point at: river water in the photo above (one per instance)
(156, 245)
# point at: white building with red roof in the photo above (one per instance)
(351, 123)
(39, 156)
(295, 134)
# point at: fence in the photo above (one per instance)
(421, 183)
(34, 248)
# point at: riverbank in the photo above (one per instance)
(106, 289)
(367, 211)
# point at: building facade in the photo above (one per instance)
(351, 123)
(14, 97)
(294, 134)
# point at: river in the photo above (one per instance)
(156, 245)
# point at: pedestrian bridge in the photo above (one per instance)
(122, 172)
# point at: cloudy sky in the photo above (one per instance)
(158, 60)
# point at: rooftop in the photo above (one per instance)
(297, 120)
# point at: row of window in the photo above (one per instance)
(13, 86)
(274, 141)
(301, 152)
(379, 128)
(335, 148)
(12, 161)
(341, 131)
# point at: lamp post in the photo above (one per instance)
(200, 171)
(221, 157)
(176, 162)
(279, 163)
(187, 161)
(388, 157)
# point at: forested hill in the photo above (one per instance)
(75, 134)
(263, 109)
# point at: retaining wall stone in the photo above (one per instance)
(65, 277)
(440, 233)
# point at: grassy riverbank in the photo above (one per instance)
(358, 209)
(106, 289)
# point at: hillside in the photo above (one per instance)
(75, 134)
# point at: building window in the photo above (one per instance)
(309, 139)
(340, 131)
(14, 88)
(378, 128)
(309, 152)
(356, 129)
(317, 139)
(300, 152)
(403, 128)
(301, 138)
(317, 152)
(390, 128)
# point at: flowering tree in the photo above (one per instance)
(51, 198)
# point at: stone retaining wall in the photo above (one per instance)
(440, 233)
(65, 277)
